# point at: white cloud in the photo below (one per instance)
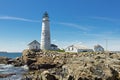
(13, 45)
(112, 44)
(17, 18)
(106, 19)
(54, 40)
(84, 28)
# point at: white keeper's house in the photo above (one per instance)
(34, 45)
(78, 48)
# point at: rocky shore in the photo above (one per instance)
(16, 62)
(6, 75)
(53, 65)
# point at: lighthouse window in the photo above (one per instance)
(48, 38)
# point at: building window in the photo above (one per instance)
(68, 49)
(72, 48)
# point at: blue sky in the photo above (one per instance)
(86, 22)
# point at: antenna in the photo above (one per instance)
(106, 44)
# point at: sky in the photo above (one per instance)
(84, 22)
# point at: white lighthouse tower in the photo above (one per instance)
(45, 34)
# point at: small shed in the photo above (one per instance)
(78, 48)
(98, 48)
(34, 45)
(54, 47)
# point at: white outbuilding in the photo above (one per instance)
(34, 45)
(98, 48)
(54, 47)
(78, 48)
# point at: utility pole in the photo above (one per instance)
(106, 41)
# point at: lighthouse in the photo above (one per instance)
(45, 33)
